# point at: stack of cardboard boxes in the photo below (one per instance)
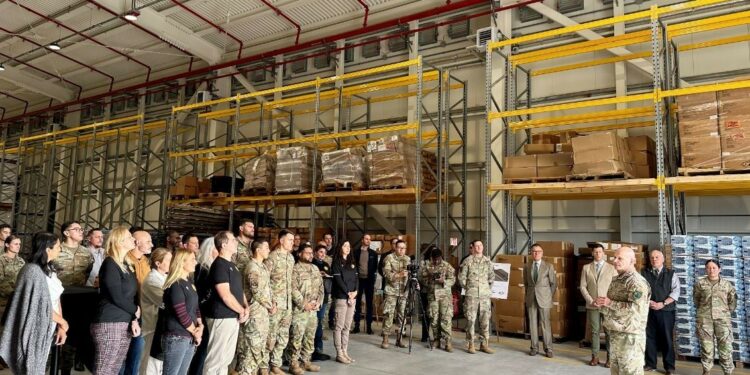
(734, 128)
(344, 168)
(509, 315)
(603, 153)
(700, 142)
(643, 152)
(548, 157)
(560, 255)
(189, 187)
(294, 169)
(260, 174)
(392, 163)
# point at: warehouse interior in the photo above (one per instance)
(565, 122)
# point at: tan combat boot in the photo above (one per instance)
(485, 347)
(310, 367)
(277, 370)
(471, 349)
(448, 346)
(341, 358)
(295, 369)
(436, 344)
(348, 357)
(385, 343)
(263, 371)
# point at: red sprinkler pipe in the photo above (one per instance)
(58, 23)
(26, 103)
(139, 27)
(111, 79)
(80, 89)
(280, 13)
(215, 26)
(367, 11)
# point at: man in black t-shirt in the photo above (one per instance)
(226, 307)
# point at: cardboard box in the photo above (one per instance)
(187, 181)
(643, 158)
(535, 149)
(515, 261)
(734, 128)
(508, 308)
(560, 264)
(557, 248)
(644, 171)
(182, 190)
(603, 168)
(545, 138)
(512, 324)
(558, 312)
(519, 173)
(641, 143)
(700, 143)
(516, 277)
(516, 293)
(559, 328)
(554, 160)
(554, 172)
(567, 136)
(561, 294)
(564, 147)
(601, 153)
(204, 186)
(520, 161)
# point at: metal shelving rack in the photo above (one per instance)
(502, 200)
(331, 103)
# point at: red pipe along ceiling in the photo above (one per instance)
(60, 24)
(453, 6)
(367, 11)
(215, 26)
(280, 13)
(26, 103)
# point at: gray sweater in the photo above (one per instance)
(29, 329)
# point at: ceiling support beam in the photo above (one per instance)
(35, 84)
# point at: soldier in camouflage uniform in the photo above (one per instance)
(625, 310)
(246, 232)
(10, 265)
(715, 300)
(280, 264)
(252, 352)
(437, 277)
(307, 296)
(475, 276)
(75, 263)
(396, 274)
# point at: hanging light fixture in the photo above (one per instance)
(54, 46)
(132, 14)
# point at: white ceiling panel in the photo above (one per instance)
(321, 10)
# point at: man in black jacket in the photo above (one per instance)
(367, 267)
(325, 272)
(665, 291)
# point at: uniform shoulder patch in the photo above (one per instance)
(637, 294)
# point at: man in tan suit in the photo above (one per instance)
(595, 280)
(540, 281)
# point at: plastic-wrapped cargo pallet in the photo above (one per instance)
(344, 168)
(260, 173)
(683, 265)
(294, 169)
(392, 164)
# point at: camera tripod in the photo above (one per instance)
(411, 296)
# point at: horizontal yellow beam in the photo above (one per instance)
(618, 126)
(108, 133)
(582, 47)
(708, 24)
(80, 128)
(560, 107)
(587, 64)
(714, 43)
(705, 88)
(309, 139)
(605, 22)
(307, 84)
(617, 114)
(13, 150)
(727, 184)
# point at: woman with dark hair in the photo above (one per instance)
(715, 299)
(34, 316)
(10, 265)
(345, 284)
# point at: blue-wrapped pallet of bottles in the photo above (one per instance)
(689, 256)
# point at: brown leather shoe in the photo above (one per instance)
(594, 361)
(533, 352)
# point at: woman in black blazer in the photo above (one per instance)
(345, 284)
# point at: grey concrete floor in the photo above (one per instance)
(510, 358)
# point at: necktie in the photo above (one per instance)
(656, 272)
(535, 272)
(598, 268)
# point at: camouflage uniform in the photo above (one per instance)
(307, 287)
(280, 266)
(252, 353)
(73, 264)
(394, 290)
(625, 320)
(242, 257)
(475, 277)
(9, 269)
(439, 297)
(715, 302)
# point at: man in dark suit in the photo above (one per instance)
(367, 266)
(541, 283)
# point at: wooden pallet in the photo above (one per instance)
(341, 186)
(709, 171)
(214, 195)
(605, 176)
(534, 180)
(256, 192)
(181, 197)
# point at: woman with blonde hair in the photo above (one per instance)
(152, 294)
(116, 321)
(183, 327)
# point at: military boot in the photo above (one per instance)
(295, 369)
(385, 343)
(471, 349)
(448, 346)
(400, 342)
(276, 370)
(310, 367)
(341, 358)
(263, 371)
(436, 344)
(485, 347)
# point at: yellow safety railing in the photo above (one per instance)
(307, 84)
(619, 114)
(309, 139)
(108, 133)
(582, 104)
(80, 128)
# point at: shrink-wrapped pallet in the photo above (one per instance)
(294, 169)
(392, 164)
(260, 173)
(344, 168)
